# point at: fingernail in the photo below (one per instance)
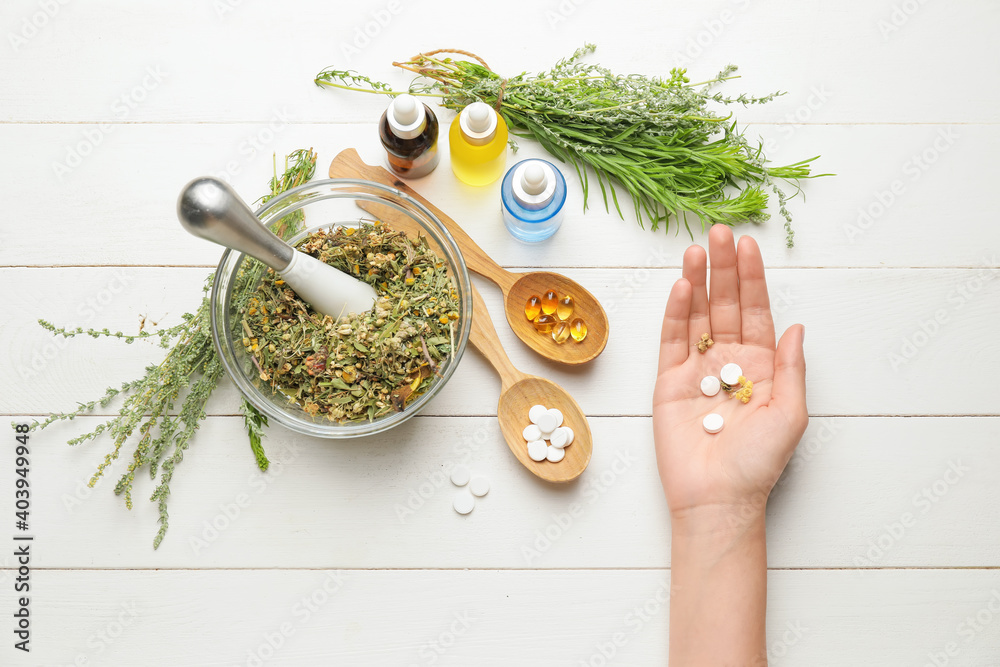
(803, 333)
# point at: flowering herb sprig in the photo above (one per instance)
(191, 368)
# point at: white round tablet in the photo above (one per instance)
(713, 422)
(569, 435)
(464, 502)
(547, 423)
(460, 475)
(710, 385)
(555, 454)
(531, 432)
(479, 486)
(559, 438)
(535, 412)
(558, 415)
(537, 449)
(730, 374)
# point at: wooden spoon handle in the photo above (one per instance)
(348, 164)
(484, 337)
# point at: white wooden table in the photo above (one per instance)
(884, 537)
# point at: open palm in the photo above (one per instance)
(737, 467)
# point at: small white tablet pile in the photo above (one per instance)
(478, 486)
(711, 385)
(547, 424)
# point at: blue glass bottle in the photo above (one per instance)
(532, 198)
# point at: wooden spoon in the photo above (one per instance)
(516, 287)
(518, 392)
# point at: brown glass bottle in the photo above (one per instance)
(409, 133)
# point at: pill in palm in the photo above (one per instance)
(559, 437)
(532, 432)
(479, 486)
(537, 450)
(464, 502)
(713, 422)
(710, 385)
(730, 374)
(555, 454)
(535, 412)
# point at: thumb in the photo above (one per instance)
(789, 392)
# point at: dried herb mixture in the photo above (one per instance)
(358, 367)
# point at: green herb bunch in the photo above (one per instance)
(656, 138)
(186, 377)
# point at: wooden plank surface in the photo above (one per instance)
(571, 617)
(883, 538)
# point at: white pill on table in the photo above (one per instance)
(532, 432)
(710, 385)
(535, 412)
(559, 437)
(479, 486)
(730, 374)
(537, 450)
(558, 415)
(713, 422)
(464, 502)
(460, 475)
(555, 454)
(547, 423)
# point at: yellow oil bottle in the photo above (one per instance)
(478, 144)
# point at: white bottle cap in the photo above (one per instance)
(406, 117)
(534, 184)
(478, 122)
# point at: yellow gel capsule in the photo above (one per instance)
(560, 333)
(564, 307)
(544, 323)
(549, 302)
(532, 307)
(578, 329)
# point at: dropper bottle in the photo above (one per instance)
(478, 143)
(532, 198)
(409, 133)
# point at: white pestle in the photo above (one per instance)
(210, 209)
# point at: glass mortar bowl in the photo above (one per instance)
(326, 203)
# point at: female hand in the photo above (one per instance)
(735, 469)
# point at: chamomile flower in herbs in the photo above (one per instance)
(360, 366)
(658, 139)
